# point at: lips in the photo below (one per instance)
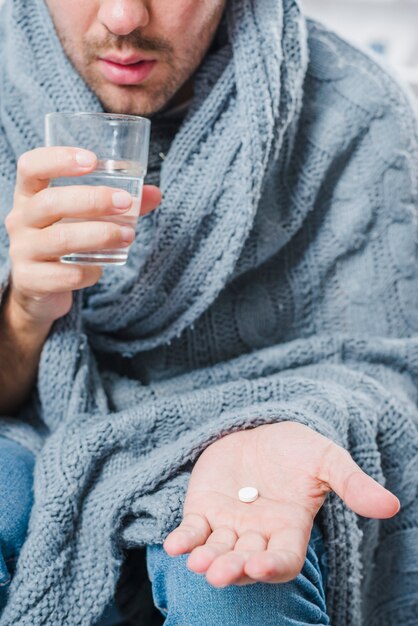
(126, 60)
(130, 70)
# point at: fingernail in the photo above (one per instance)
(85, 158)
(122, 200)
(128, 234)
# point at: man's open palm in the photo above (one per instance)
(293, 468)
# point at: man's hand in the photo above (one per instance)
(293, 468)
(41, 286)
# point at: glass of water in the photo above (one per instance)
(121, 144)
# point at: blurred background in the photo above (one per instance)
(388, 27)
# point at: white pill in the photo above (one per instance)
(248, 494)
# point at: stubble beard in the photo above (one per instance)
(146, 99)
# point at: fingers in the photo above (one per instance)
(358, 490)
(78, 202)
(64, 238)
(49, 278)
(228, 567)
(151, 198)
(228, 559)
(48, 222)
(366, 497)
(252, 560)
(86, 202)
(283, 559)
(36, 167)
(193, 531)
(222, 540)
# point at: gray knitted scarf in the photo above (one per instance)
(244, 301)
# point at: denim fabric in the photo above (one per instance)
(186, 599)
(16, 498)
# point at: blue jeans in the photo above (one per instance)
(183, 597)
(16, 498)
(187, 599)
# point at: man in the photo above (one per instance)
(264, 322)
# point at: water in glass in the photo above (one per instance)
(127, 175)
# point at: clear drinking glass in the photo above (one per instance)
(121, 144)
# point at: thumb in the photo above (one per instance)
(359, 491)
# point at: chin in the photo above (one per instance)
(130, 103)
(116, 101)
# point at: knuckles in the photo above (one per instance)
(18, 277)
(108, 232)
(46, 200)
(18, 249)
(10, 222)
(59, 157)
(79, 277)
(75, 277)
(23, 164)
(98, 200)
(62, 237)
(59, 237)
(53, 277)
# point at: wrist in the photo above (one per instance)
(18, 319)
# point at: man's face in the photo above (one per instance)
(172, 36)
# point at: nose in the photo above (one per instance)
(121, 17)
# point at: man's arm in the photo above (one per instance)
(42, 288)
(21, 342)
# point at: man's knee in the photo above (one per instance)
(187, 598)
(16, 498)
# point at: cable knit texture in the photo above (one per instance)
(276, 281)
